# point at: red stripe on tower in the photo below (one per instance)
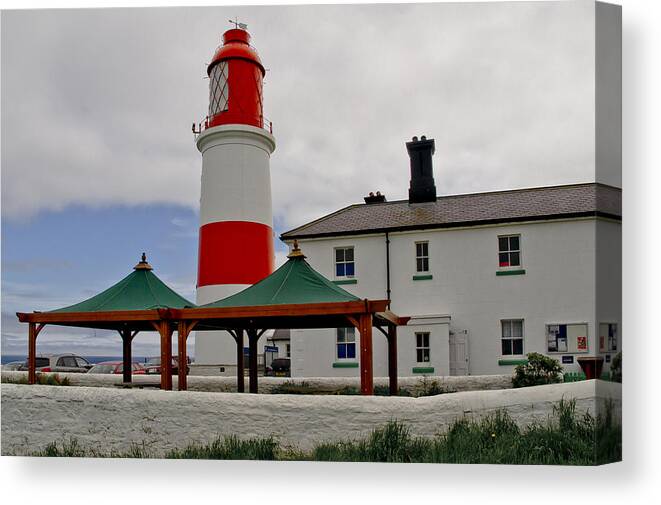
(247, 263)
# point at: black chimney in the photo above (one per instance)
(422, 187)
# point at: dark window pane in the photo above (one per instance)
(425, 340)
(420, 265)
(340, 335)
(515, 259)
(418, 339)
(507, 347)
(425, 249)
(419, 355)
(339, 255)
(502, 244)
(425, 264)
(425, 355)
(341, 351)
(517, 346)
(60, 362)
(503, 260)
(348, 254)
(418, 249)
(351, 350)
(514, 243)
(349, 269)
(339, 270)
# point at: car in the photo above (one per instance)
(13, 366)
(116, 367)
(153, 366)
(70, 363)
(281, 367)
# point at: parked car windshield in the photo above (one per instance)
(102, 369)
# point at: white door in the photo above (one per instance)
(459, 352)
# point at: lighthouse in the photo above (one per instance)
(236, 219)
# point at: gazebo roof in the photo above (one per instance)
(295, 282)
(140, 290)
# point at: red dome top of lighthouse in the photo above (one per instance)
(236, 44)
(235, 82)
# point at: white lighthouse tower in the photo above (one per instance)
(236, 219)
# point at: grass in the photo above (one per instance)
(566, 438)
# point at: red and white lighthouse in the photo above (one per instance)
(236, 219)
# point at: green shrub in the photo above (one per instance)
(616, 368)
(539, 370)
(427, 387)
(43, 379)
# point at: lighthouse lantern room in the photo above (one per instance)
(236, 220)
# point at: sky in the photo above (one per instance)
(99, 163)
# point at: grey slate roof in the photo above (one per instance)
(530, 204)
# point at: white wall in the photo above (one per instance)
(108, 419)
(558, 286)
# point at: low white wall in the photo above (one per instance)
(114, 419)
(266, 384)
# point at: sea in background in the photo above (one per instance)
(8, 358)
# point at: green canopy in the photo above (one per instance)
(140, 290)
(293, 283)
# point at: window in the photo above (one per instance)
(422, 347)
(511, 337)
(67, 361)
(567, 337)
(344, 264)
(82, 362)
(422, 257)
(346, 343)
(288, 350)
(218, 89)
(607, 337)
(509, 251)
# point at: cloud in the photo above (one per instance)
(506, 89)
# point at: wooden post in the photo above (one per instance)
(392, 359)
(252, 369)
(32, 353)
(127, 361)
(165, 331)
(240, 373)
(366, 366)
(33, 331)
(182, 356)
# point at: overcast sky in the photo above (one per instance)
(99, 163)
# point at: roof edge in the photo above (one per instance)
(462, 224)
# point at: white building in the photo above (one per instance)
(486, 277)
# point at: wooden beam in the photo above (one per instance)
(253, 337)
(299, 309)
(117, 316)
(392, 360)
(240, 372)
(355, 322)
(366, 365)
